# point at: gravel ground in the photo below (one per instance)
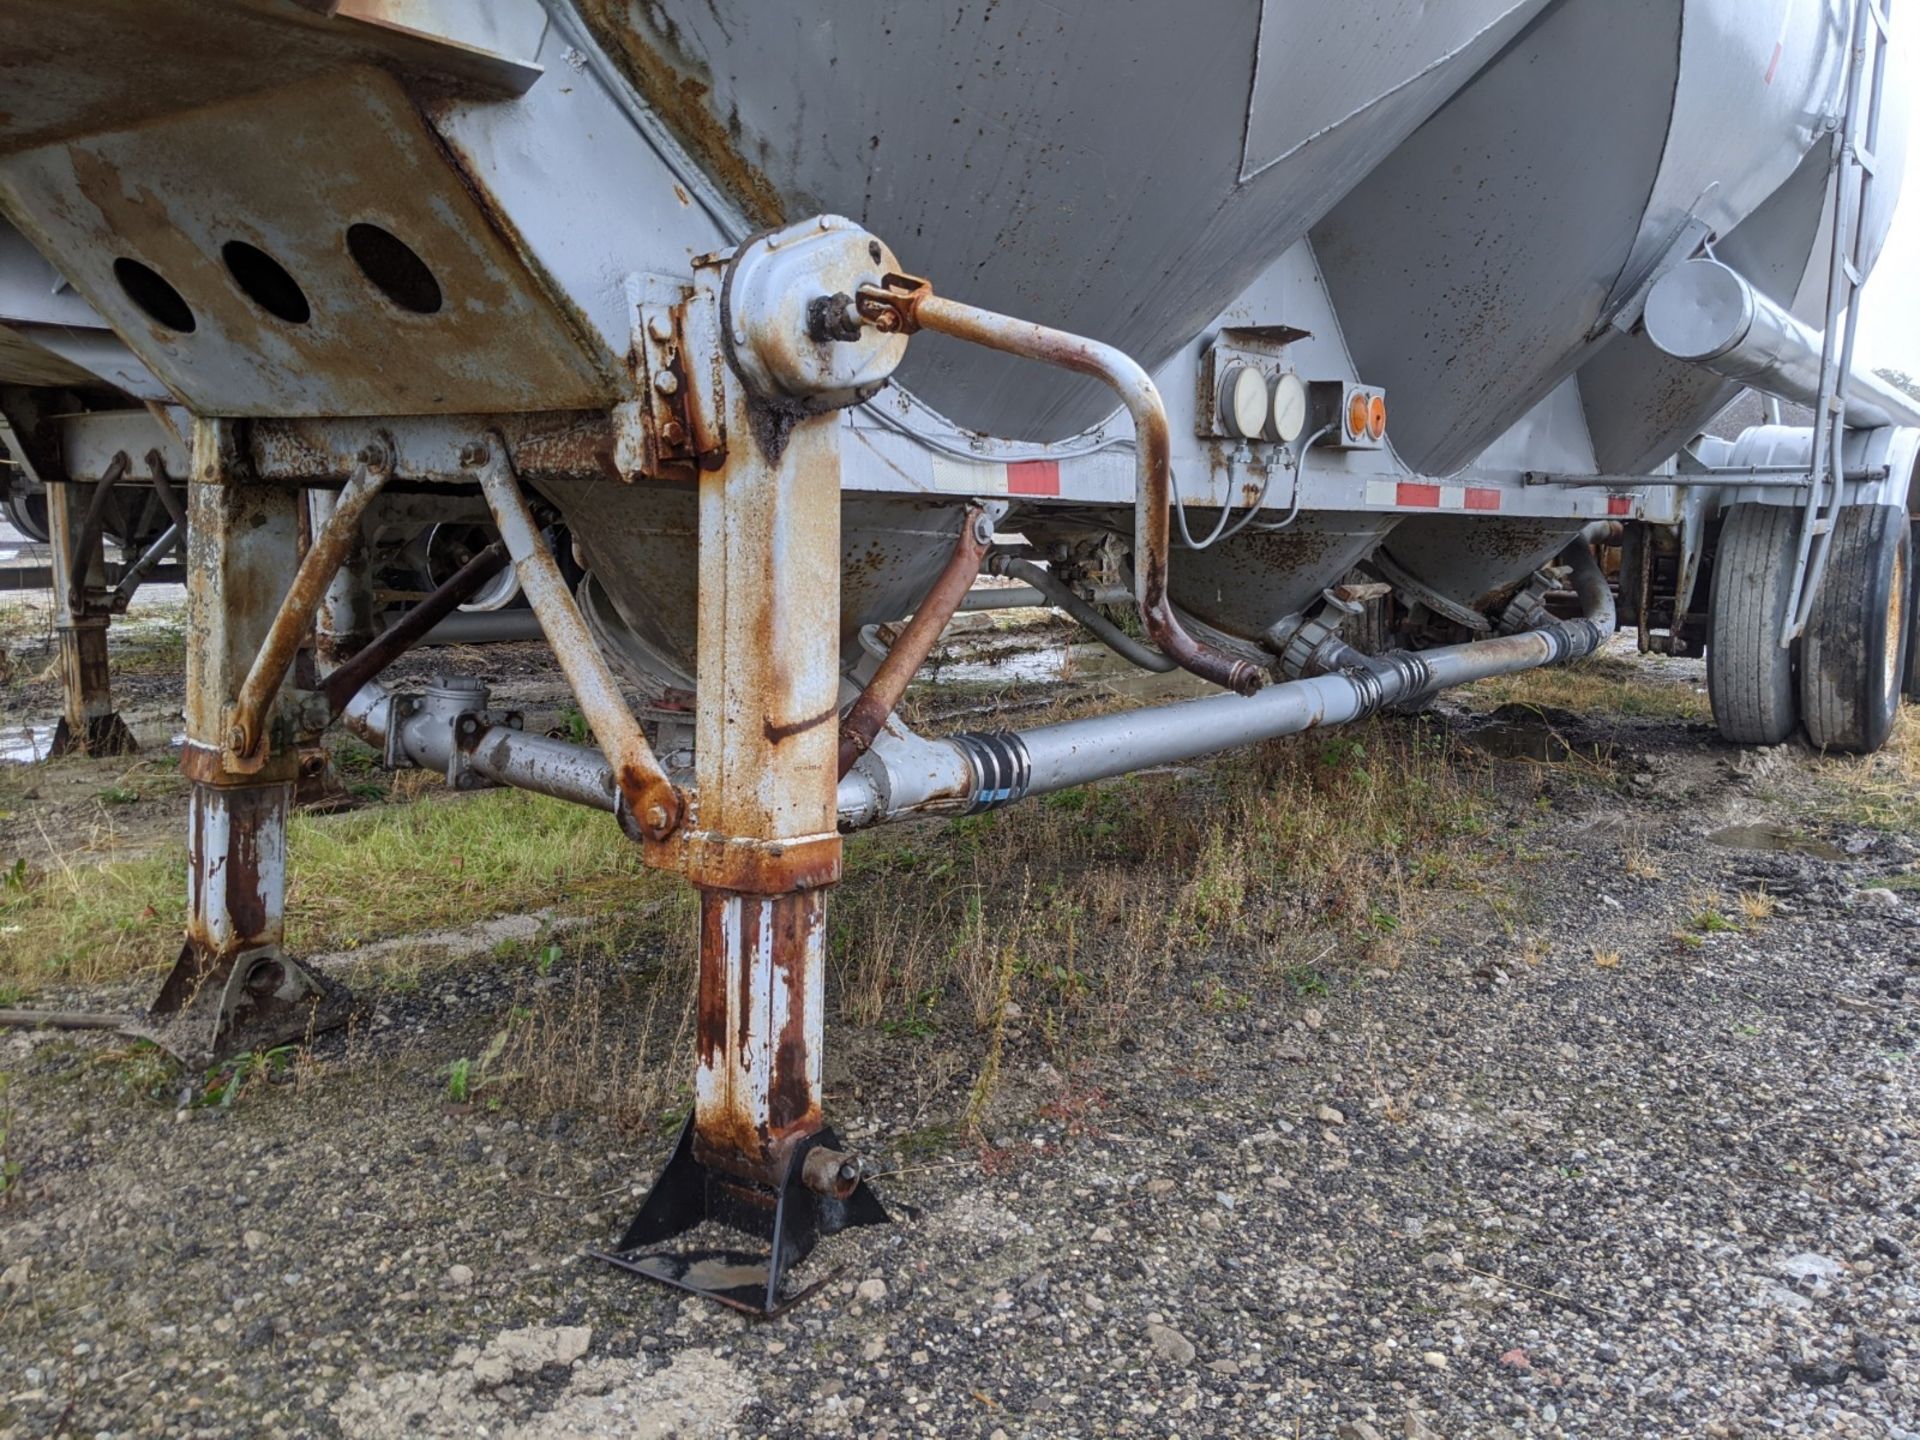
(1569, 1176)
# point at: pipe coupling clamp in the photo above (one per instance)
(1002, 769)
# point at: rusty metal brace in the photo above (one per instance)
(904, 304)
(90, 531)
(163, 487)
(651, 808)
(170, 538)
(244, 729)
(867, 714)
(344, 681)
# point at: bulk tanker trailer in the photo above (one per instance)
(1315, 323)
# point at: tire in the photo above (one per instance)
(1749, 673)
(1910, 684)
(1853, 659)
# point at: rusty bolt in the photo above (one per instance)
(656, 817)
(674, 433)
(666, 382)
(887, 321)
(237, 739)
(473, 453)
(660, 328)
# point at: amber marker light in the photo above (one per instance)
(1357, 415)
(1377, 417)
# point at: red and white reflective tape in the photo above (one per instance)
(1421, 495)
(995, 477)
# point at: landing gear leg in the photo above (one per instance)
(89, 725)
(234, 988)
(756, 1155)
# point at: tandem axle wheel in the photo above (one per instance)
(1843, 679)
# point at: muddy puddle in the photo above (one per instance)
(1777, 839)
(24, 744)
(1017, 662)
(1523, 732)
(31, 741)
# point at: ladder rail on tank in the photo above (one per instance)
(1855, 162)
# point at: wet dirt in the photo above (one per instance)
(1553, 1171)
(1776, 839)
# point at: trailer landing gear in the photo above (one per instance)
(820, 1194)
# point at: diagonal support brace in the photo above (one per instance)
(244, 749)
(651, 808)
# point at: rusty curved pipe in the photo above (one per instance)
(911, 305)
(889, 683)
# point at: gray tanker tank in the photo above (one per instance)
(1373, 317)
(1459, 204)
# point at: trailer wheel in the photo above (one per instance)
(1910, 683)
(1749, 674)
(1855, 652)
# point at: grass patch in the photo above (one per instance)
(1065, 911)
(1603, 684)
(1271, 871)
(392, 870)
(1882, 791)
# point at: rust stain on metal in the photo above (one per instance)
(679, 97)
(775, 867)
(280, 170)
(758, 1028)
(793, 1100)
(777, 733)
(710, 1026)
(246, 905)
(748, 958)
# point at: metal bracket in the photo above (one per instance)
(1263, 348)
(677, 427)
(821, 1193)
(1684, 245)
(456, 705)
(254, 1000)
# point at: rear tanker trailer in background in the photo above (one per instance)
(1315, 323)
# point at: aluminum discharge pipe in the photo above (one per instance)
(1011, 765)
(447, 729)
(1705, 313)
